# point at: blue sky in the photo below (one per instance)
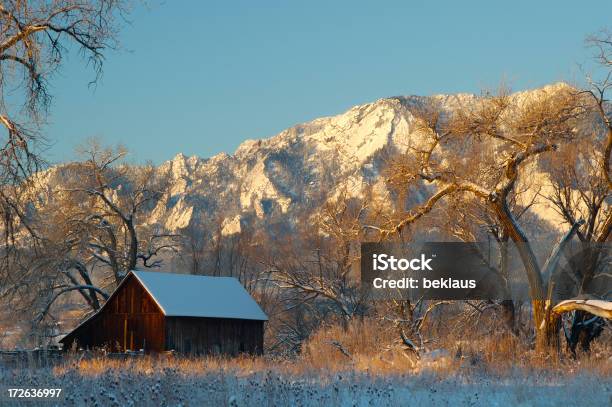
(199, 77)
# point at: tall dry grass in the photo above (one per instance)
(368, 346)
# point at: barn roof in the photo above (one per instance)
(187, 295)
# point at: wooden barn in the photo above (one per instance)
(189, 314)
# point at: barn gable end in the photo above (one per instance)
(130, 319)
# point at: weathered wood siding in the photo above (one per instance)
(199, 336)
(130, 321)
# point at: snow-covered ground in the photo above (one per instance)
(223, 387)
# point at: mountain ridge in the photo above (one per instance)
(293, 172)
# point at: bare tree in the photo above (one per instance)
(479, 151)
(579, 180)
(194, 248)
(34, 39)
(410, 319)
(328, 273)
(116, 195)
(474, 221)
(601, 43)
(598, 91)
(93, 224)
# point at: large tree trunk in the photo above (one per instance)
(607, 151)
(547, 324)
(95, 304)
(508, 309)
(532, 269)
(547, 334)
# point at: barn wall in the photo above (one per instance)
(199, 336)
(130, 321)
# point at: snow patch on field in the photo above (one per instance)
(226, 387)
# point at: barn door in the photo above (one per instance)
(125, 333)
(128, 334)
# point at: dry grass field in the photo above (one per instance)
(357, 367)
(245, 381)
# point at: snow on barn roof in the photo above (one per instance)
(187, 295)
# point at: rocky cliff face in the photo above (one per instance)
(289, 175)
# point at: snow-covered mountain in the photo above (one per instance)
(289, 175)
